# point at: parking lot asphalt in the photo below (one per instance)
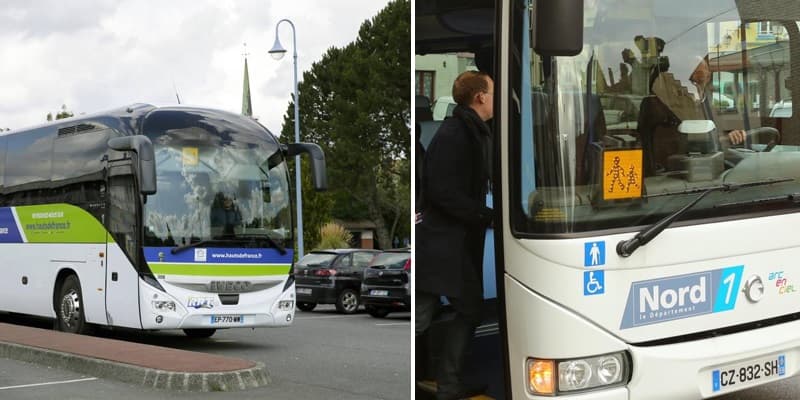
(151, 366)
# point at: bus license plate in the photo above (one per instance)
(746, 374)
(303, 291)
(227, 319)
(378, 292)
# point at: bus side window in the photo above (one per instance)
(28, 167)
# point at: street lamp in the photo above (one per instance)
(277, 52)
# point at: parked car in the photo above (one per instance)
(387, 283)
(331, 277)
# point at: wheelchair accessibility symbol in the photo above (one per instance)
(593, 283)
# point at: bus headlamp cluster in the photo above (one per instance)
(164, 305)
(285, 305)
(576, 374)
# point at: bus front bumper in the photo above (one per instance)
(161, 310)
(715, 366)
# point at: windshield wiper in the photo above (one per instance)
(626, 247)
(792, 197)
(274, 243)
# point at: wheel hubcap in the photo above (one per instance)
(350, 302)
(70, 308)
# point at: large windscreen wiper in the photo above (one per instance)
(274, 243)
(626, 247)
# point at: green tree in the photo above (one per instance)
(356, 103)
(61, 114)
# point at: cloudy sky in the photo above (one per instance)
(94, 55)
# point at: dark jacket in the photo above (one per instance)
(450, 237)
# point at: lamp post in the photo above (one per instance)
(277, 52)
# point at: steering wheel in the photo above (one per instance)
(765, 134)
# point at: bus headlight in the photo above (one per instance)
(577, 374)
(164, 305)
(574, 374)
(285, 305)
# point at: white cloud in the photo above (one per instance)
(103, 54)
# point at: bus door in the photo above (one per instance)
(122, 279)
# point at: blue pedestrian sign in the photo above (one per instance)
(594, 254)
(594, 282)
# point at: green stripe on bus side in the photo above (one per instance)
(59, 223)
(219, 269)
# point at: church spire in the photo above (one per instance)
(247, 105)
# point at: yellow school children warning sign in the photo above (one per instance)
(622, 174)
(190, 157)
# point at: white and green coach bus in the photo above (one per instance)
(149, 218)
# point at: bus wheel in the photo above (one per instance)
(347, 302)
(199, 333)
(306, 306)
(70, 315)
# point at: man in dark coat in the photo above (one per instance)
(450, 230)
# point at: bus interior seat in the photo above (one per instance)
(422, 108)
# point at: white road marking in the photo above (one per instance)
(47, 383)
(394, 323)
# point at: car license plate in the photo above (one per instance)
(378, 292)
(227, 319)
(303, 291)
(748, 373)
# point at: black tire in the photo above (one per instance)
(70, 312)
(199, 333)
(347, 302)
(303, 306)
(378, 312)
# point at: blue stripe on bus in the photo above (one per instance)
(214, 255)
(9, 232)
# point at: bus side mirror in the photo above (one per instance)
(143, 148)
(558, 27)
(317, 161)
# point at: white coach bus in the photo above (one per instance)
(149, 218)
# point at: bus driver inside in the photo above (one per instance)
(225, 215)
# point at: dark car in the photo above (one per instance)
(386, 286)
(331, 277)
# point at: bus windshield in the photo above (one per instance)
(665, 101)
(220, 185)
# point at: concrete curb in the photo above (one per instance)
(243, 379)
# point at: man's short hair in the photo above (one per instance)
(468, 84)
